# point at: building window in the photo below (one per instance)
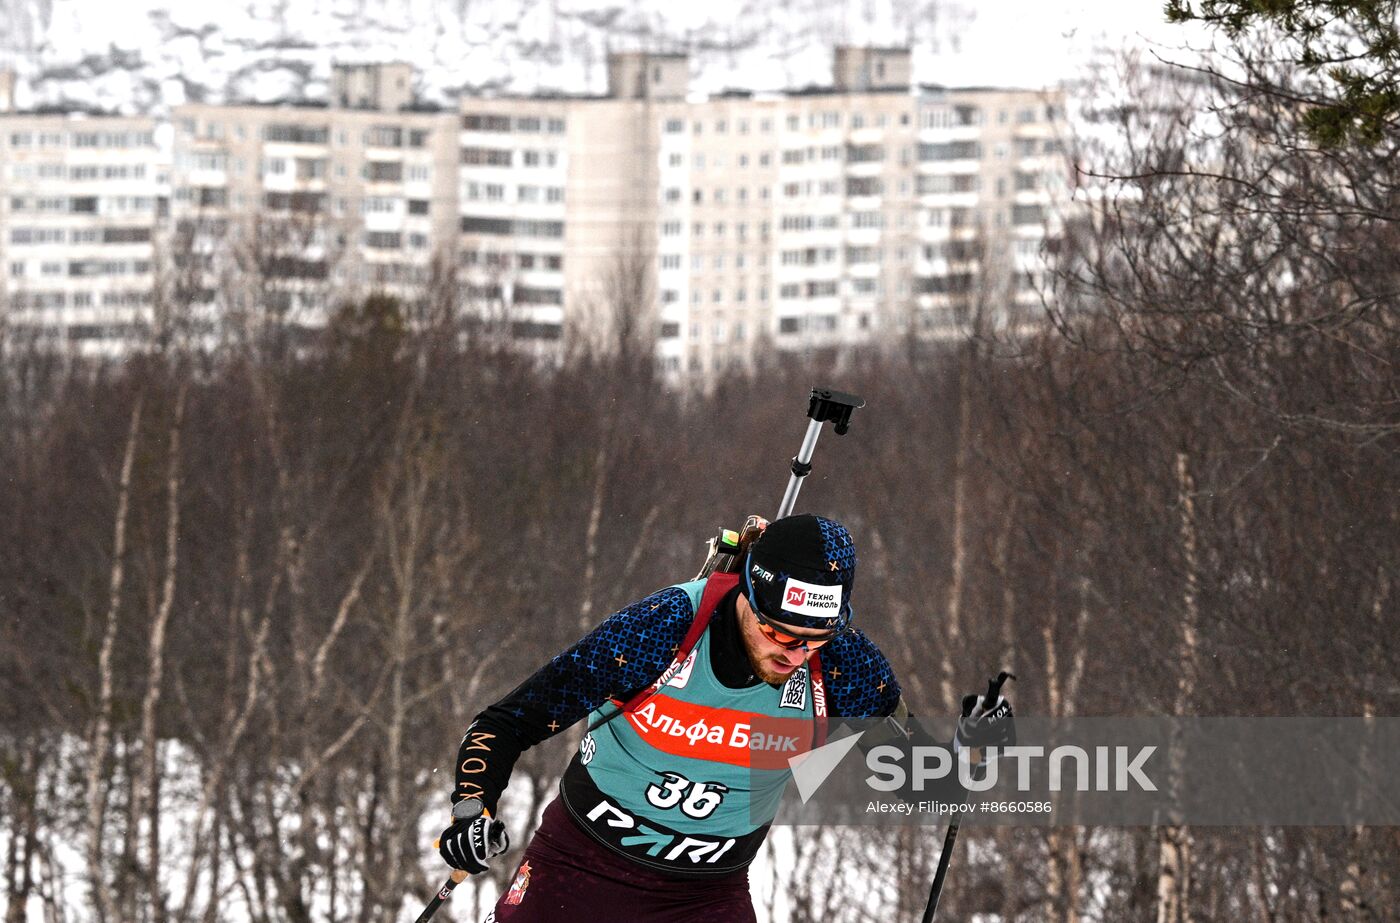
(482, 122)
(486, 157)
(385, 171)
(864, 186)
(383, 240)
(950, 150)
(1027, 214)
(290, 134)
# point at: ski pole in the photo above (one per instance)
(443, 894)
(940, 875)
(458, 876)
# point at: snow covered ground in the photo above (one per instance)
(61, 871)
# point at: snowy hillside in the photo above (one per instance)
(145, 55)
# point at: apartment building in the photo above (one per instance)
(83, 201)
(710, 230)
(560, 200)
(821, 218)
(287, 207)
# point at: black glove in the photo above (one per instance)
(987, 720)
(473, 839)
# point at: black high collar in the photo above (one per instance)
(728, 658)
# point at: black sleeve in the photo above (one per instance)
(863, 685)
(860, 681)
(625, 653)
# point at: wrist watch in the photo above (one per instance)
(468, 809)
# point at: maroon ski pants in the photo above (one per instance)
(566, 875)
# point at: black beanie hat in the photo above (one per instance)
(801, 571)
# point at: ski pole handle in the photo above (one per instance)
(994, 688)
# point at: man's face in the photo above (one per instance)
(771, 662)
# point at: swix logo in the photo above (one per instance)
(677, 670)
(819, 695)
(796, 596)
(683, 674)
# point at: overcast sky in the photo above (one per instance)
(1031, 40)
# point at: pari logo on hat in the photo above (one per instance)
(811, 600)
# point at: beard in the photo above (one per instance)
(766, 669)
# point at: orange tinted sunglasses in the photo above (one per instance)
(785, 640)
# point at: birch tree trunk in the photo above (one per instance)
(961, 463)
(1353, 888)
(1174, 840)
(587, 617)
(101, 742)
(146, 798)
(21, 777)
(1062, 681)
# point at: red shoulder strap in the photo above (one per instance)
(716, 586)
(814, 666)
